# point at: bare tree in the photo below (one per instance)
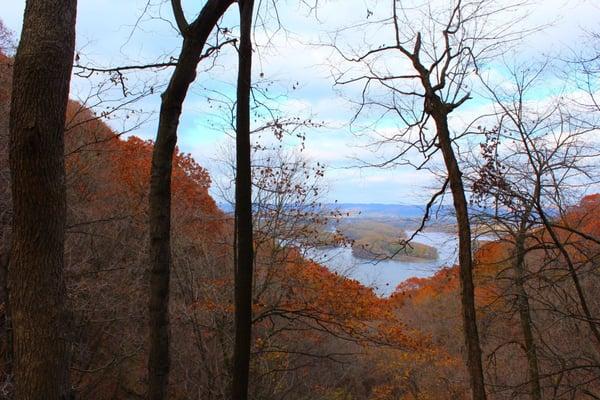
(7, 43)
(536, 158)
(194, 39)
(41, 80)
(244, 243)
(435, 51)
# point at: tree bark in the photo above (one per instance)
(194, 39)
(244, 251)
(439, 113)
(40, 90)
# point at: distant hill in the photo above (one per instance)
(373, 210)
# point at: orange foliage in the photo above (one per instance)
(585, 216)
(342, 306)
(420, 289)
(97, 155)
(491, 253)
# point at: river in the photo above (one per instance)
(384, 276)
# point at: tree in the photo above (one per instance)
(42, 72)
(244, 244)
(536, 159)
(434, 52)
(512, 211)
(517, 225)
(6, 40)
(194, 39)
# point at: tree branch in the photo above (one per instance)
(182, 23)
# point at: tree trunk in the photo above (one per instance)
(465, 259)
(525, 318)
(40, 90)
(195, 37)
(533, 371)
(244, 252)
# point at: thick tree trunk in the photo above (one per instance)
(41, 78)
(244, 259)
(465, 259)
(195, 37)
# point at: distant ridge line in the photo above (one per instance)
(374, 210)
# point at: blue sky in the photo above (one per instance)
(300, 72)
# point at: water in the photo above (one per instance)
(384, 276)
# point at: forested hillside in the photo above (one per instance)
(122, 278)
(563, 347)
(317, 335)
(310, 325)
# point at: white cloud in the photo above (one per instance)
(105, 37)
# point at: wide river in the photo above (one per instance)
(384, 276)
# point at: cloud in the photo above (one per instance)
(300, 74)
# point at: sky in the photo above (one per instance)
(296, 66)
